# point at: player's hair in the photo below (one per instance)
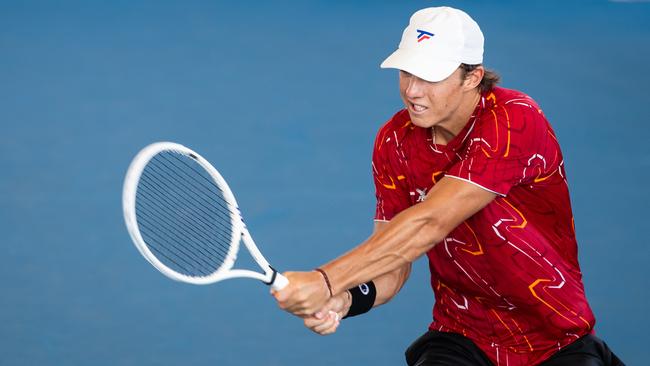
(490, 78)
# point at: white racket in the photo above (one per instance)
(184, 219)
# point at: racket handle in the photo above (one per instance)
(279, 283)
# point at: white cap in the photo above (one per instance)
(436, 42)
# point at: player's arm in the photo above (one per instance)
(407, 236)
(410, 234)
(387, 286)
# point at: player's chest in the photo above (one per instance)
(425, 165)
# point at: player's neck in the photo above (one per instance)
(446, 132)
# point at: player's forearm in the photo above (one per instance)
(410, 234)
(389, 284)
(405, 238)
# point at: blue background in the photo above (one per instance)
(285, 99)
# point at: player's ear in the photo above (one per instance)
(473, 78)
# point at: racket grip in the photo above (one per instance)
(279, 283)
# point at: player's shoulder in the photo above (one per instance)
(511, 114)
(394, 130)
(502, 100)
(511, 108)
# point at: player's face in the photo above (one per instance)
(431, 103)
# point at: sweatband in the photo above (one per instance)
(363, 298)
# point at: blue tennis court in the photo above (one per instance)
(285, 98)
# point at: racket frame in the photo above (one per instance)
(239, 233)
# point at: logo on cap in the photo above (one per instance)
(422, 35)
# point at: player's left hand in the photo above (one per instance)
(305, 294)
(327, 320)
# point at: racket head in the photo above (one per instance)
(133, 196)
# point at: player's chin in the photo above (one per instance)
(421, 121)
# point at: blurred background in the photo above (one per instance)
(285, 98)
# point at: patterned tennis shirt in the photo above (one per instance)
(508, 277)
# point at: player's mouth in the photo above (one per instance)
(417, 108)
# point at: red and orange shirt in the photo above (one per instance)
(508, 277)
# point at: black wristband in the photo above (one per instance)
(363, 298)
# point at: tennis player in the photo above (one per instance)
(471, 175)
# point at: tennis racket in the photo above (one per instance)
(184, 219)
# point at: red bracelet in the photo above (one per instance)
(327, 280)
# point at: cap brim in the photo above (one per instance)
(420, 65)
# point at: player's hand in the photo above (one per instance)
(306, 293)
(328, 319)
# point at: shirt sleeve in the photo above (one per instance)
(390, 183)
(511, 145)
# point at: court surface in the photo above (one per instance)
(285, 99)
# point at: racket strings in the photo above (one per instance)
(192, 222)
(207, 209)
(185, 244)
(175, 196)
(168, 192)
(188, 244)
(197, 183)
(187, 225)
(183, 215)
(165, 219)
(172, 201)
(188, 266)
